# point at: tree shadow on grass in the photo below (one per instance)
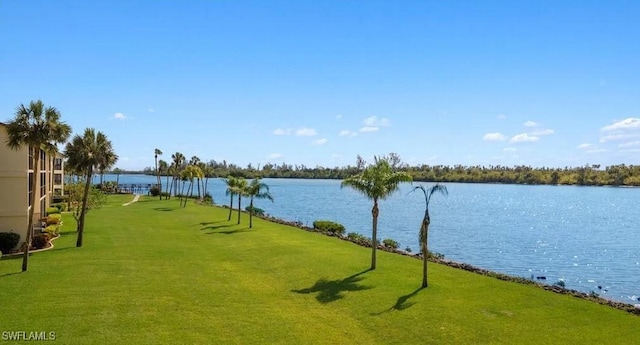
(402, 303)
(165, 209)
(226, 232)
(10, 274)
(333, 290)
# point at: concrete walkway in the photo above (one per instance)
(135, 198)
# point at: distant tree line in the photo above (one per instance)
(587, 175)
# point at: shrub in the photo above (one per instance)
(8, 241)
(256, 210)
(329, 226)
(61, 206)
(54, 219)
(435, 255)
(52, 230)
(40, 241)
(154, 191)
(207, 198)
(408, 249)
(389, 243)
(52, 210)
(359, 239)
(560, 283)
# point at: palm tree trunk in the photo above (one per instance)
(83, 212)
(251, 213)
(168, 187)
(199, 195)
(239, 202)
(374, 235)
(230, 207)
(32, 197)
(424, 241)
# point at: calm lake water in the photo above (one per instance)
(584, 236)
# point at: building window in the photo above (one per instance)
(57, 164)
(30, 158)
(30, 187)
(43, 160)
(57, 178)
(43, 183)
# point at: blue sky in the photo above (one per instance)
(541, 83)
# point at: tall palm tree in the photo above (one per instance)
(190, 173)
(107, 162)
(258, 190)
(85, 153)
(178, 161)
(376, 182)
(163, 169)
(231, 183)
(424, 228)
(38, 128)
(240, 189)
(157, 153)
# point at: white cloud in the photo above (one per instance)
(595, 151)
(280, 131)
(347, 133)
(338, 117)
(628, 123)
(523, 138)
(585, 146)
(275, 156)
(494, 137)
(542, 132)
(509, 149)
(630, 144)
(119, 116)
(373, 121)
(306, 132)
(531, 124)
(501, 117)
(320, 141)
(620, 136)
(629, 151)
(369, 129)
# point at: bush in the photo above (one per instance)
(154, 191)
(52, 230)
(256, 210)
(8, 241)
(207, 198)
(59, 199)
(54, 219)
(389, 243)
(52, 210)
(61, 206)
(435, 255)
(359, 239)
(40, 241)
(408, 249)
(329, 226)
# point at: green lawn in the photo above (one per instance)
(154, 273)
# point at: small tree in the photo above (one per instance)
(256, 190)
(75, 192)
(426, 221)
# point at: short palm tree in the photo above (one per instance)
(157, 153)
(231, 183)
(38, 128)
(256, 190)
(190, 173)
(85, 153)
(240, 189)
(426, 221)
(376, 182)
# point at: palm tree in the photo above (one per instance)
(376, 182)
(239, 189)
(188, 174)
(163, 169)
(424, 228)
(84, 153)
(231, 187)
(107, 162)
(257, 190)
(178, 162)
(157, 153)
(39, 129)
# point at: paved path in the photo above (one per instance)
(135, 198)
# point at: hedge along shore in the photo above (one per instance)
(630, 308)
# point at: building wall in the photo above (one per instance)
(14, 187)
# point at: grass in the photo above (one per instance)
(155, 273)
